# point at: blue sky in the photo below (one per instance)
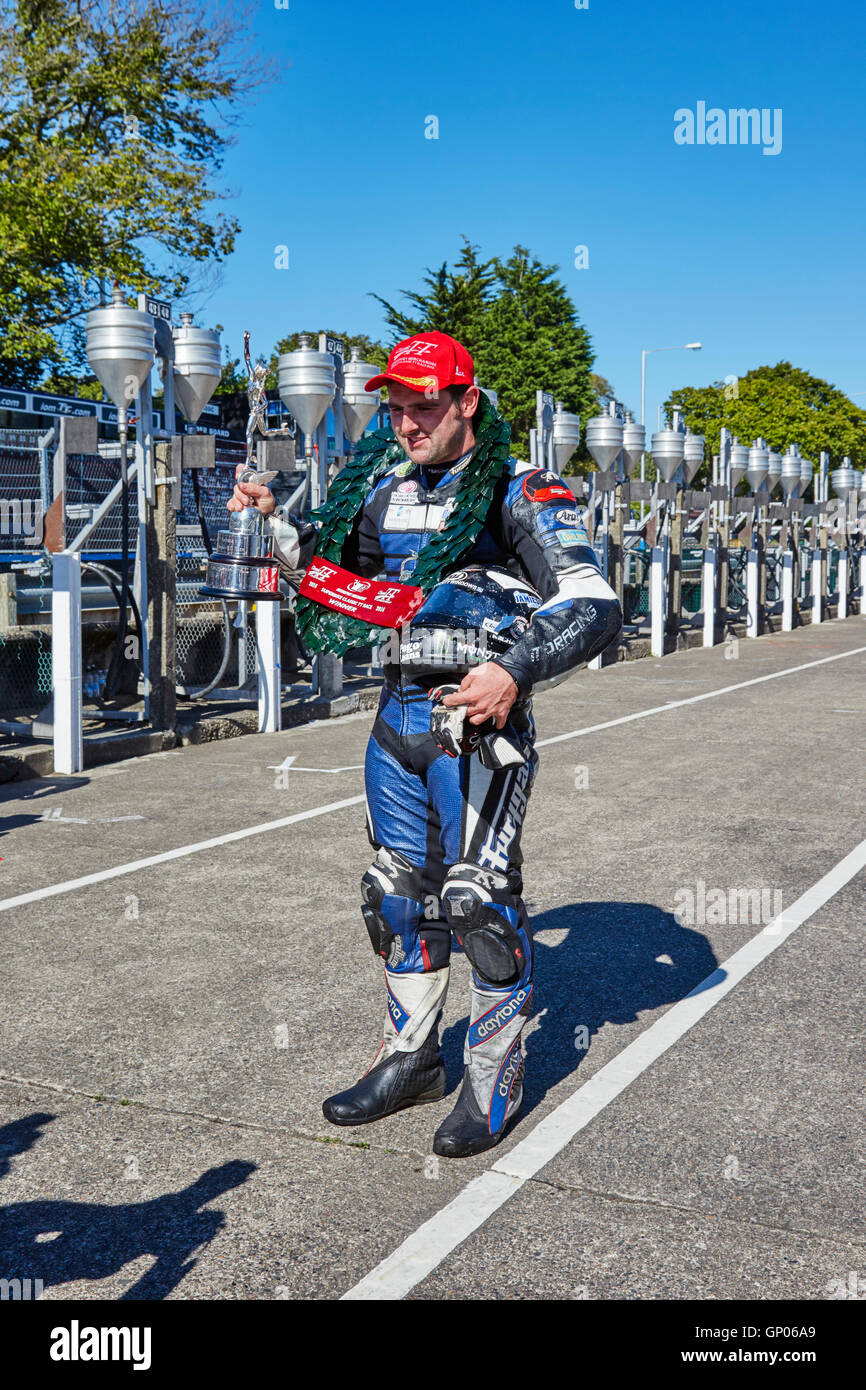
(556, 129)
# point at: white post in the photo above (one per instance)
(788, 591)
(657, 601)
(863, 583)
(66, 662)
(842, 582)
(752, 593)
(268, 665)
(708, 587)
(817, 582)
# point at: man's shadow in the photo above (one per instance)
(614, 961)
(86, 1240)
(32, 790)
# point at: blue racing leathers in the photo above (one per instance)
(446, 830)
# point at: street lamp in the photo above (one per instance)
(678, 347)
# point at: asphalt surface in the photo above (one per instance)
(167, 1034)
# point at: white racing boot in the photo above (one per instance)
(492, 1090)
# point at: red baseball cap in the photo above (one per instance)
(427, 360)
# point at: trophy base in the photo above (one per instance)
(236, 577)
(250, 595)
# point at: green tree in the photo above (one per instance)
(602, 387)
(519, 324)
(782, 404)
(86, 388)
(532, 339)
(455, 301)
(112, 123)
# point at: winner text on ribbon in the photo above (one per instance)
(371, 600)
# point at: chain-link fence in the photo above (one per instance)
(89, 480)
(25, 593)
(27, 480)
(691, 587)
(636, 587)
(24, 496)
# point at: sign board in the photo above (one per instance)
(335, 345)
(544, 406)
(157, 308)
(43, 403)
(196, 451)
(57, 405)
(81, 436)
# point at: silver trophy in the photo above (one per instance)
(243, 564)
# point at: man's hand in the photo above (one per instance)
(251, 495)
(488, 692)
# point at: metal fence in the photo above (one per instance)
(691, 589)
(636, 588)
(24, 496)
(25, 660)
(89, 480)
(27, 483)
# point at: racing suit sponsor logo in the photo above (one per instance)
(399, 1016)
(403, 516)
(494, 851)
(552, 517)
(546, 487)
(506, 1076)
(568, 635)
(406, 490)
(492, 1022)
(396, 956)
(502, 1089)
(446, 512)
(562, 526)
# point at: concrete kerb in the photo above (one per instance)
(37, 760)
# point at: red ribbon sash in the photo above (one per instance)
(371, 600)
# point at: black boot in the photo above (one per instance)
(466, 1131)
(399, 1080)
(408, 1068)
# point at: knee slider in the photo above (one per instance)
(490, 941)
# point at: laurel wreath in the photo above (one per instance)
(324, 630)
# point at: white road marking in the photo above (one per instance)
(287, 765)
(695, 699)
(56, 819)
(71, 884)
(433, 1242)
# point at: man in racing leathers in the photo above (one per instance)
(446, 829)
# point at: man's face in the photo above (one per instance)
(432, 429)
